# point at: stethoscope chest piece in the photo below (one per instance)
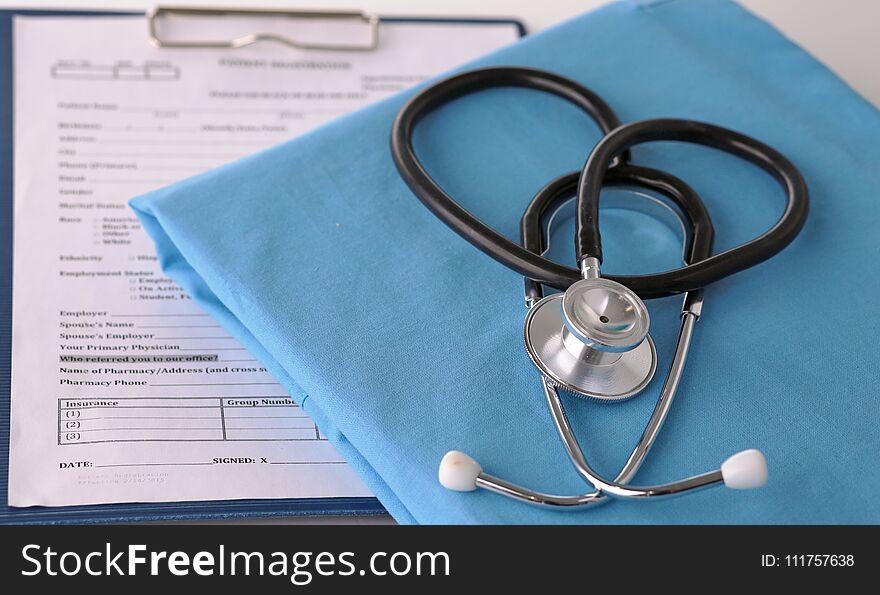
(593, 340)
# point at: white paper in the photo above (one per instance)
(122, 389)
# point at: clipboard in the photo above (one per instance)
(164, 511)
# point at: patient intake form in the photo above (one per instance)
(122, 389)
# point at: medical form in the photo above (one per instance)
(123, 390)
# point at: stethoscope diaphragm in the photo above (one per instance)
(597, 347)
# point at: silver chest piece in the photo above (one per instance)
(593, 340)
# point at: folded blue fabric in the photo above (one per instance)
(404, 342)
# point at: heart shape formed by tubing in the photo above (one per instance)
(606, 163)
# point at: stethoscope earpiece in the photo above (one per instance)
(746, 470)
(459, 472)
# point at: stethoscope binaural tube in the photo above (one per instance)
(744, 470)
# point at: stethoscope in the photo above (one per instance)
(592, 340)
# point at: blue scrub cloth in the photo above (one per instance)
(403, 341)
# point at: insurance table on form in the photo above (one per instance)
(189, 419)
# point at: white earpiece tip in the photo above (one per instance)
(745, 470)
(459, 472)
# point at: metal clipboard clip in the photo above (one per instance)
(369, 21)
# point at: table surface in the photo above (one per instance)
(840, 33)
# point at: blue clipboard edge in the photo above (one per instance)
(138, 512)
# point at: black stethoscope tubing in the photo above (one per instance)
(608, 163)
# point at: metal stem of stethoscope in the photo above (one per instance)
(603, 487)
(743, 470)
